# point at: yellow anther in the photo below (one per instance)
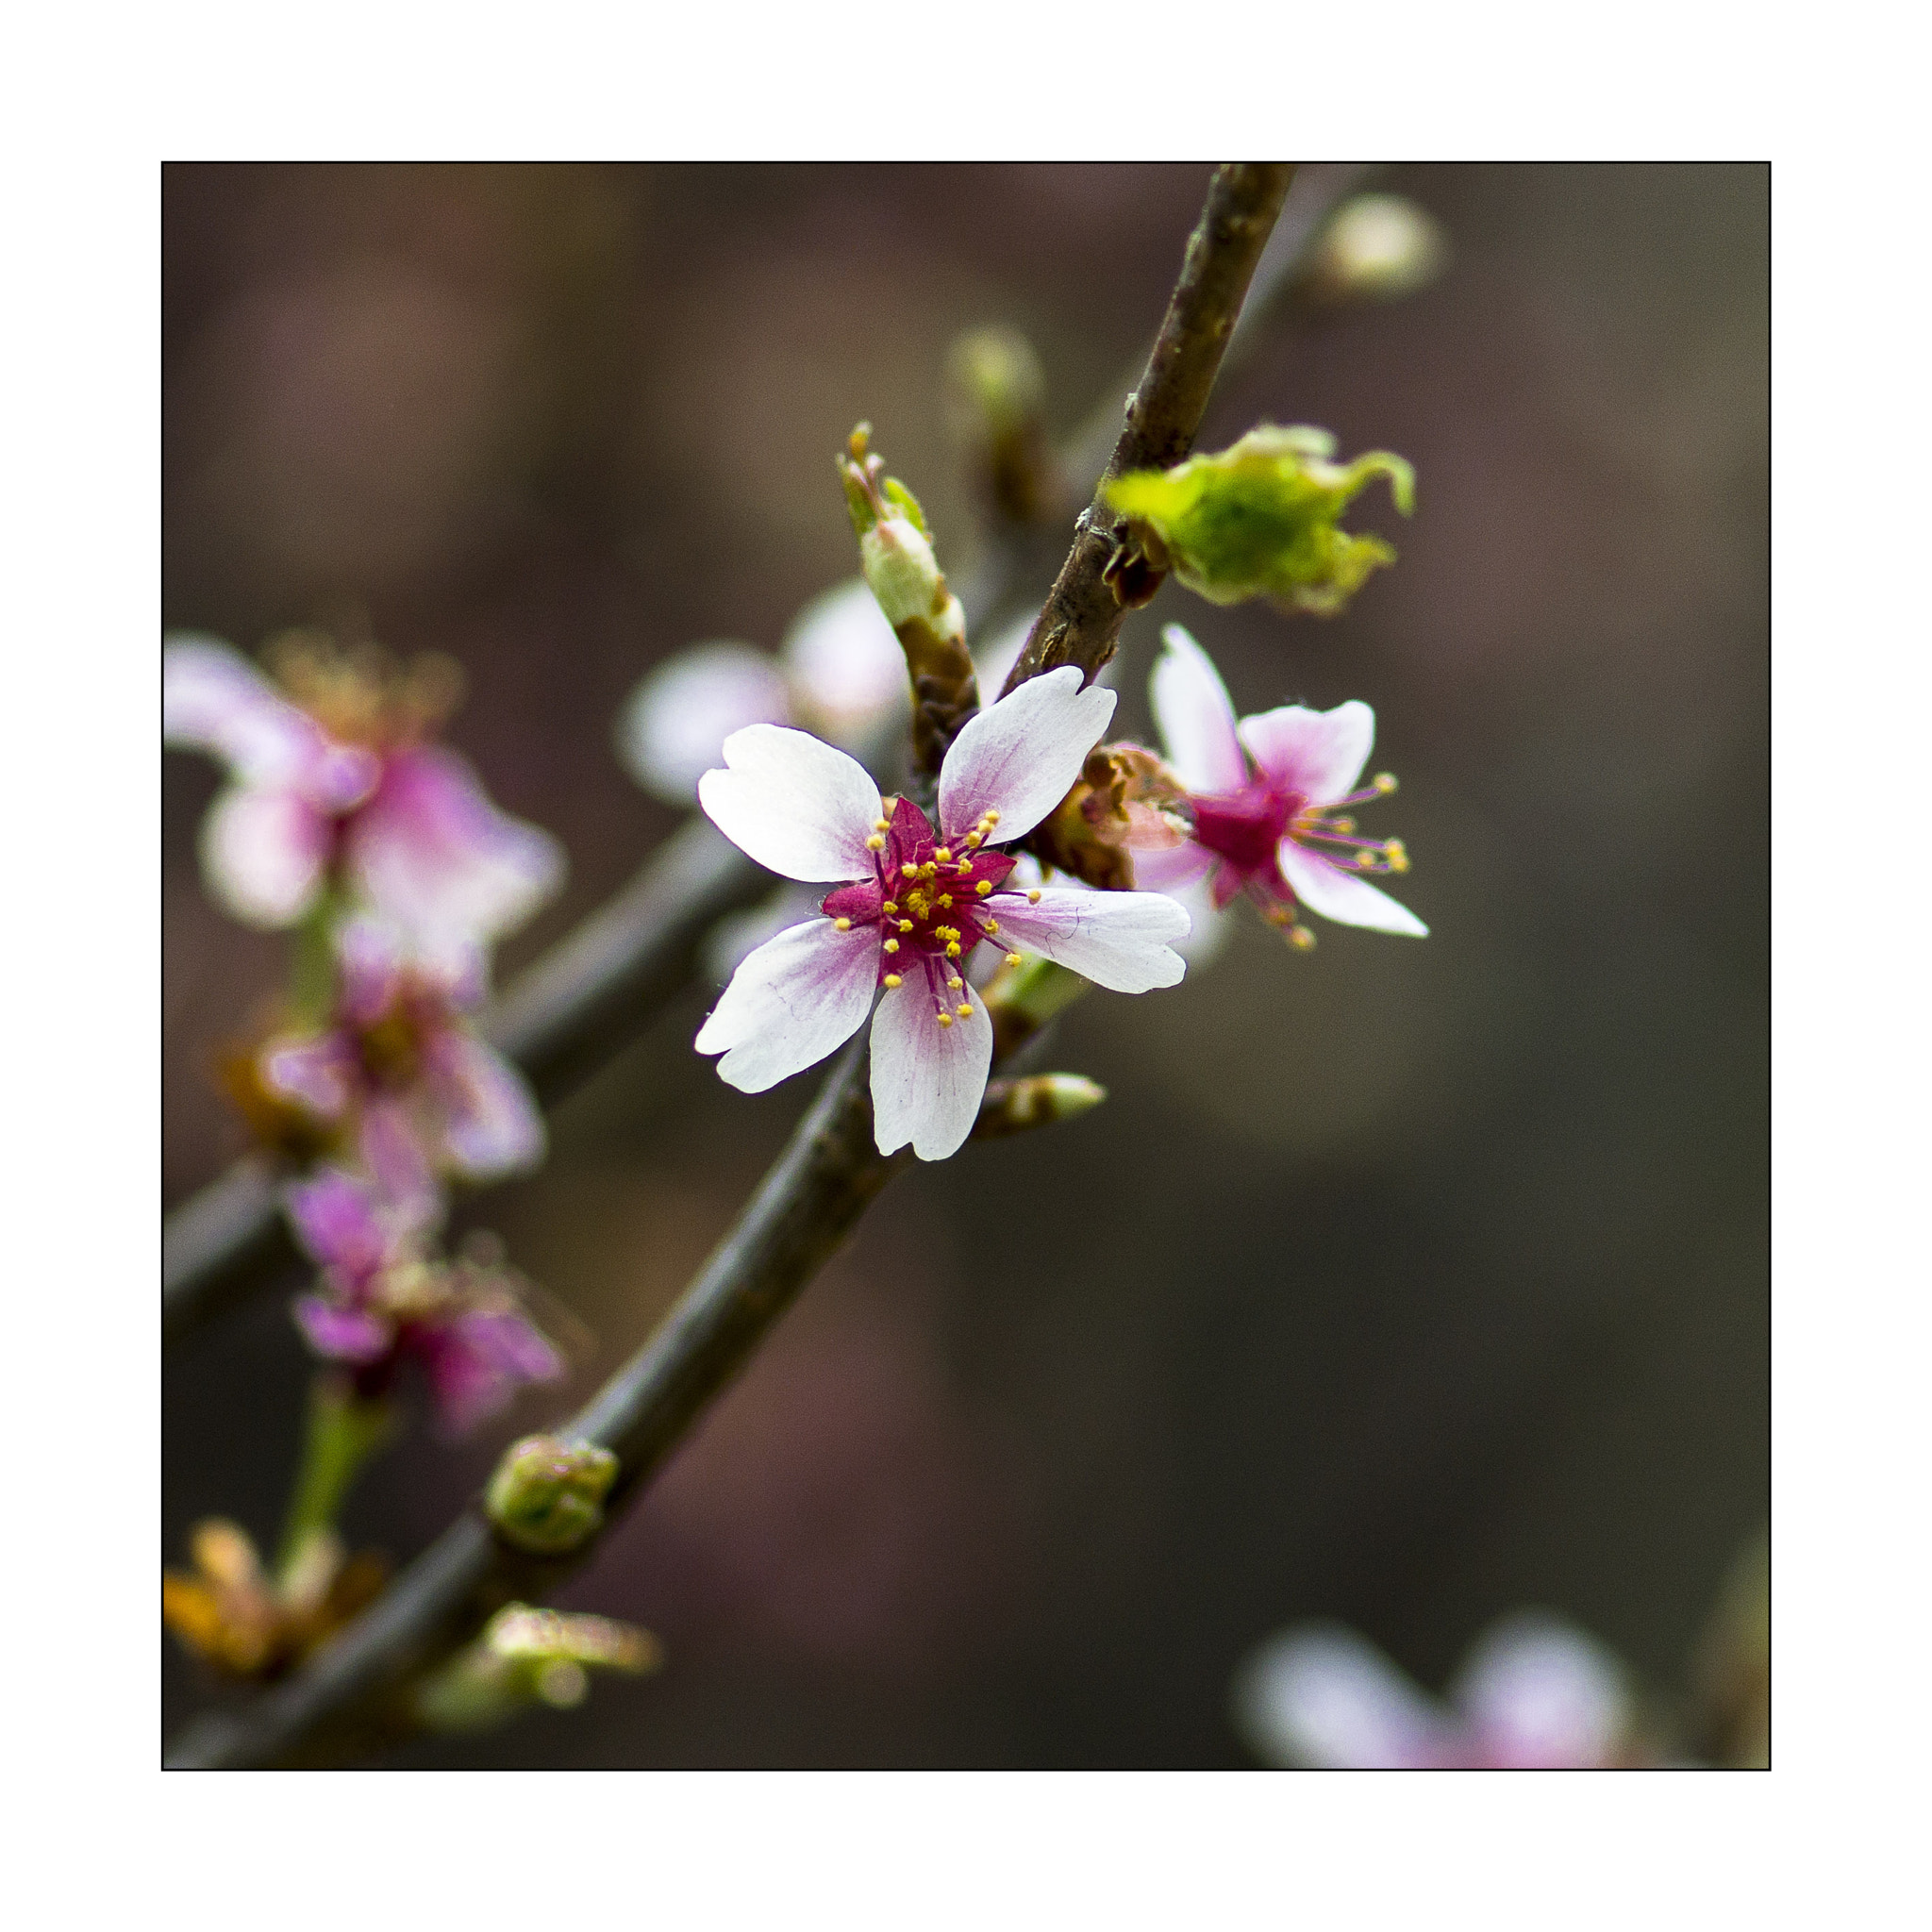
(1398, 854)
(945, 900)
(953, 950)
(909, 872)
(965, 1010)
(1365, 861)
(1301, 939)
(1341, 824)
(891, 910)
(892, 979)
(1012, 958)
(992, 925)
(882, 825)
(973, 842)
(953, 984)
(1276, 915)
(905, 925)
(983, 888)
(842, 924)
(944, 856)
(991, 817)
(1384, 782)
(945, 1018)
(1033, 897)
(876, 842)
(891, 945)
(965, 868)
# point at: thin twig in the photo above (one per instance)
(1089, 601)
(604, 982)
(351, 1692)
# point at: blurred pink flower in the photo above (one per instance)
(916, 904)
(1270, 796)
(382, 1301)
(401, 827)
(1534, 1693)
(400, 1065)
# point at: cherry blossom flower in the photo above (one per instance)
(1271, 798)
(342, 790)
(400, 1068)
(383, 1301)
(1534, 1693)
(911, 903)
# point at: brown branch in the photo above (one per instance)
(1101, 579)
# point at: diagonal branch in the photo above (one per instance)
(602, 983)
(352, 1694)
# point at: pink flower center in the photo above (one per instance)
(1245, 827)
(929, 897)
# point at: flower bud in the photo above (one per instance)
(1376, 248)
(1124, 800)
(528, 1655)
(547, 1495)
(1259, 519)
(1038, 1100)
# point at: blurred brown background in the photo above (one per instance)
(1401, 1283)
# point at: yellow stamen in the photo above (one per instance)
(891, 910)
(1384, 782)
(882, 825)
(876, 842)
(842, 924)
(909, 872)
(945, 1018)
(1012, 958)
(944, 856)
(891, 980)
(1033, 897)
(991, 817)
(992, 925)
(953, 950)
(953, 984)
(1341, 824)
(965, 868)
(983, 888)
(1301, 939)
(891, 945)
(965, 1010)
(973, 842)
(905, 925)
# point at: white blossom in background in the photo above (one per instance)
(912, 905)
(1534, 1693)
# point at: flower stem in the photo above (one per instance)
(312, 975)
(343, 1432)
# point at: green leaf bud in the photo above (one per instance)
(547, 1495)
(529, 1656)
(1259, 519)
(1035, 1100)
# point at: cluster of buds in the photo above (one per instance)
(248, 1622)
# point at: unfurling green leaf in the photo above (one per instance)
(547, 1495)
(1260, 520)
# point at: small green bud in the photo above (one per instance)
(1020, 1000)
(528, 1655)
(996, 400)
(1377, 248)
(547, 1495)
(1258, 520)
(1037, 1100)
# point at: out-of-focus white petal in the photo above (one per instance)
(1208, 924)
(437, 859)
(212, 699)
(262, 854)
(794, 1001)
(673, 727)
(319, 1070)
(1121, 941)
(1539, 1692)
(798, 806)
(928, 1080)
(491, 1123)
(1318, 754)
(1322, 1696)
(1344, 897)
(847, 671)
(1168, 870)
(1020, 756)
(1195, 716)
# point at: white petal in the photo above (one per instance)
(491, 1122)
(1344, 897)
(437, 859)
(846, 665)
(1168, 870)
(1195, 716)
(928, 1080)
(1322, 1696)
(1319, 753)
(792, 1003)
(1020, 758)
(795, 805)
(262, 852)
(673, 727)
(212, 699)
(1121, 941)
(1539, 1692)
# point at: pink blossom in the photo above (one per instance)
(1534, 1693)
(400, 1065)
(402, 827)
(383, 1301)
(1271, 797)
(911, 904)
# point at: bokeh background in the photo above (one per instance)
(1402, 1283)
